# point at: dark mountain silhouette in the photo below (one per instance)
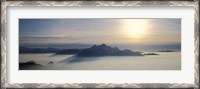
(51, 62)
(69, 51)
(166, 51)
(95, 50)
(151, 54)
(30, 64)
(37, 50)
(104, 50)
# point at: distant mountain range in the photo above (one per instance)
(166, 51)
(38, 50)
(95, 50)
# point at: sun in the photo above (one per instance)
(135, 28)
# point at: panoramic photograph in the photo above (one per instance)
(100, 44)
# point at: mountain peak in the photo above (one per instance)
(103, 45)
(100, 46)
(104, 50)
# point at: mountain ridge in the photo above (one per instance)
(104, 50)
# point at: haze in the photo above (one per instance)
(136, 34)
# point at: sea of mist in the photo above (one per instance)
(163, 61)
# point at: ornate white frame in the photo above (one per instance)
(6, 4)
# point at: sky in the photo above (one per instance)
(135, 34)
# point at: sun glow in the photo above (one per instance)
(135, 28)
